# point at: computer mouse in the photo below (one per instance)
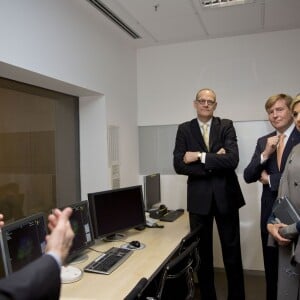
(135, 244)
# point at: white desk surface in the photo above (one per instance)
(160, 244)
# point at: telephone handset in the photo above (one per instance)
(157, 213)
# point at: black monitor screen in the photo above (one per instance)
(23, 241)
(152, 190)
(82, 227)
(116, 210)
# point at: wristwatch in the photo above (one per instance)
(199, 155)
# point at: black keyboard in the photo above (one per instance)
(172, 215)
(108, 261)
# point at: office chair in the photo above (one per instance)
(176, 282)
(136, 292)
(191, 237)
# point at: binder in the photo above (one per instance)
(285, 211)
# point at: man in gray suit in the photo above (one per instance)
(209, 156)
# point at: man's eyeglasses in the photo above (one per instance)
(203, 102)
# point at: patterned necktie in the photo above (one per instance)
(205, 135)
(280, 149)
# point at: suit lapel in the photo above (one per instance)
(214, 135)
(293, 140)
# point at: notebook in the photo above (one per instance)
(285, 211)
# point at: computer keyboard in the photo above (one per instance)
(172, 215)
(107, 262)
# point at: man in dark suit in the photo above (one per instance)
(213, 192)
(264, 167)
(40, 280)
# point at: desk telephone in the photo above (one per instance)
(163, 214)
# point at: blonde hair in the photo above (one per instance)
(273, 99)
(295, 101)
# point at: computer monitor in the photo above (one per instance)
(82, 227)
(23, 241)
(152, 190)
(115, 211)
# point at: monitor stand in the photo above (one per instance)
(114, 237)
(79, 259)
(69, 274)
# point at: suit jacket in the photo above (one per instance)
(216, 179)
(253, 171)
(290, 182)
(39, 280)
(288, 285)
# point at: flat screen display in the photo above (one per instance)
(115, 211)
(23, 241)
(82, 227)
(152, 190)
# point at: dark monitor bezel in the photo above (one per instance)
(97, 223)
(74, 253)
(6, 255)
(146, 190)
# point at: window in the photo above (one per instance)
(39, 153)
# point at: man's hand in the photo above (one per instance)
(190, 157)
(271, 145)
(264, 177)
(221, 151)
(61, 237)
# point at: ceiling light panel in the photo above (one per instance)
(220, 3)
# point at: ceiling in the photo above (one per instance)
(160, 22)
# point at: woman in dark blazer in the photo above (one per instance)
(289, 269)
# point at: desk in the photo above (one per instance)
(160, 245)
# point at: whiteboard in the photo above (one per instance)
(156, 145)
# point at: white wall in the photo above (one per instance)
(68, 46)
(244, 71)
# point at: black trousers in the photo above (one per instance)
(270, 255)
(229, 232)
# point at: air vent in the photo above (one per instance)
(219, 3)
(113, 17)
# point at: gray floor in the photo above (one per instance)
(254, 285)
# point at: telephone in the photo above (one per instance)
(152, 222)
(157, 213)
